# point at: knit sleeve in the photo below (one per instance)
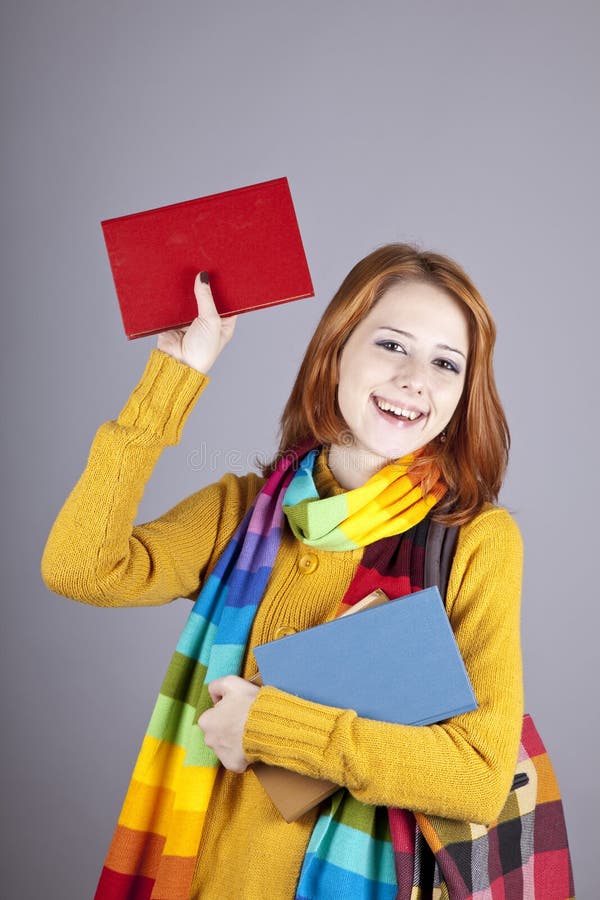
(461, 769)
(95, 553)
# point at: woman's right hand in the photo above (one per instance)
(200, 343)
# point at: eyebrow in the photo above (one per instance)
(412, 337)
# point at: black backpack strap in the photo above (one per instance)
(440, 546)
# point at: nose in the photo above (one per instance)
(411, 376)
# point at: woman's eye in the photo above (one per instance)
(447, 365)
(393, 346)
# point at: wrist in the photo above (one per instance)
(163, 399)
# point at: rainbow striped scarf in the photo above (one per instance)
(389, 503)
(153, 852)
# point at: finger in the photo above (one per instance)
(227, 327)
(216, 690)
(204, 297)
(174, 333)
(164, 337)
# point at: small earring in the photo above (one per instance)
(443, 436)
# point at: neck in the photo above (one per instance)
(352, 467)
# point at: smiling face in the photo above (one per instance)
(401, 376)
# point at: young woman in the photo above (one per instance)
(395, 415)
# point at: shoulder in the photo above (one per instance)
(239, 488)
(236, 494)
(493, 529)
(230, 496)
(200, 526)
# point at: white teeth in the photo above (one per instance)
(397, 410)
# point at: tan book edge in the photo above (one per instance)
(295, 794)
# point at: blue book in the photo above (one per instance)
(397, 662)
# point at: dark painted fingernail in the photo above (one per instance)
(204, 277)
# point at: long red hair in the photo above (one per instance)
(474, 455)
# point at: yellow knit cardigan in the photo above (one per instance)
(461, 769)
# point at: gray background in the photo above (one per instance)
(470, 127)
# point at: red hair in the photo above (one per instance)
(474, 455)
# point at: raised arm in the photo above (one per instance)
(95, 553)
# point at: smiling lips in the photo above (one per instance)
(400, 413)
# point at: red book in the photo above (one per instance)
(247, 240)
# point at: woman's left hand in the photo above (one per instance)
(224, 724)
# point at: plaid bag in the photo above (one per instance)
(524, 855)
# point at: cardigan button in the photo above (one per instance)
(308, 562)
(284, 631)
